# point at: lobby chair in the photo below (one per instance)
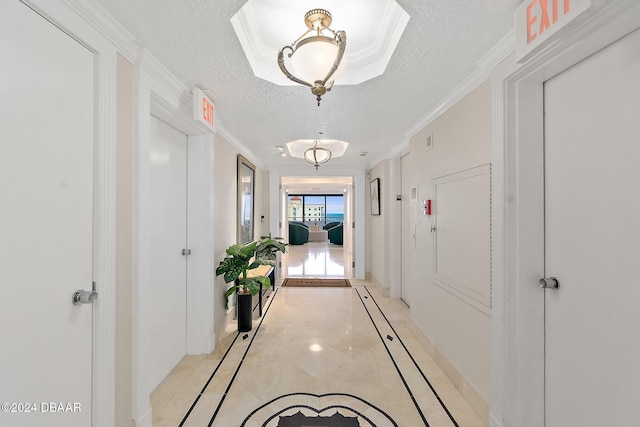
(298, 233)
(335, 234)
(330, 225)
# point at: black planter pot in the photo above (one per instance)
(244, 312)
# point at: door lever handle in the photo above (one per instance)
(549, 282)
(84, 297)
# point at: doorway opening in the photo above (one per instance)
(317, 220)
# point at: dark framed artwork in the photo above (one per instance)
(246, 199)
(374, 191)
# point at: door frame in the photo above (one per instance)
(518, 211)
(104, 265)
(159, 93)
(278, 210)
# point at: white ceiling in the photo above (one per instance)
(316, 185)
(441, 46)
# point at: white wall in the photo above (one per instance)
(124, 243)
(225, 215)
(459, 332)
(383, 231)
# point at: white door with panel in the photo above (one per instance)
(168, 227)
(592, 240)
(46, 221)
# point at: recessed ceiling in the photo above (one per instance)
(264, 27)
(444, 42)
(298, 147)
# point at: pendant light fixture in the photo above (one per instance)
(317, 154)
(316, 59)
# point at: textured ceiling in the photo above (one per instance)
(439, 48)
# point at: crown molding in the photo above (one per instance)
(481, 73)
(103, 22)
(98, 17)
(224, 132)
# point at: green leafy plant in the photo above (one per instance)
(242, 258)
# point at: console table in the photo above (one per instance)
(263, 270)
(318, 236)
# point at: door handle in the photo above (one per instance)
(84, 297)
(549, 282)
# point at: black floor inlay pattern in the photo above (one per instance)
(305, 409)
(300, 420)
(292, 402)
(435, 393)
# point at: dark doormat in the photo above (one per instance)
(301, 420)
(317, 283)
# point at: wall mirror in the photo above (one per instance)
(246, 188)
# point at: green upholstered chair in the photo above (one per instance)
(330, 225)
(298, 233)
(335, 234)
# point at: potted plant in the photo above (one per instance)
(235, 268)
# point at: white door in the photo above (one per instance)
(168, 300)
(592, 240)
(46, 221)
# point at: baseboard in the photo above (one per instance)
(494, 422)
(377, 285)
(469, 393)
(145, 420)
(219, 331)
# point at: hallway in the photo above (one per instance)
(317, 259)
(316, 350)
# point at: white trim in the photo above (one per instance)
(498, 247)
(103, 363)
(224, 132)
(104, 315)
(200, 240)
(141, 405)
(98, 17)
(518, 316)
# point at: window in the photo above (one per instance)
(315, 209)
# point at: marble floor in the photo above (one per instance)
(317, 259)
(315, 352)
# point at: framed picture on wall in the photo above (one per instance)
(246, 189)
(374, 187)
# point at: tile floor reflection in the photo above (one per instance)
(316, 351)
(317, 259)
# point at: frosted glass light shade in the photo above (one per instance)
(317, 155)
(313, 61)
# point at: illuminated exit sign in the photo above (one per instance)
(538, 21)
(203, 109)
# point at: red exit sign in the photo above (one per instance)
(538, 21)
(203, 108)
